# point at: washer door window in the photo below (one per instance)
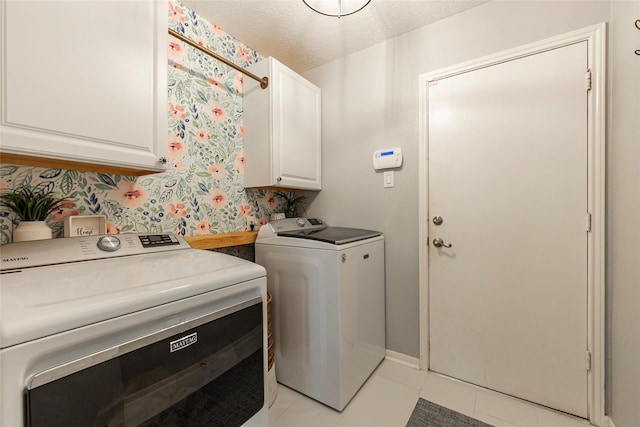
(209, 374)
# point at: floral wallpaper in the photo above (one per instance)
(202, 191)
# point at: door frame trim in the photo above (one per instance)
(595, 36)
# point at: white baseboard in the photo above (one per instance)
(611, 424)
(394, 356)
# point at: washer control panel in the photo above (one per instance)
(289, 225)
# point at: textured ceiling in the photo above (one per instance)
(302, 39)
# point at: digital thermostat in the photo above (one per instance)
(388, 158)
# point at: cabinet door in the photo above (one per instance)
(85, 81)
(296, 130)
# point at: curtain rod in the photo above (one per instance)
(264, 81)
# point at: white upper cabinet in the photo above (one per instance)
(85, 82)
(281, 129)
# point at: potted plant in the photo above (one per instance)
(294, 203)
(32, 207)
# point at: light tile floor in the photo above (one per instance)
(389, 395)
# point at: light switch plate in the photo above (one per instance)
(388, 179)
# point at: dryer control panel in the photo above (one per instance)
(85, 248)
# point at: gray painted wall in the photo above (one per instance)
(623, 221)
(370, 101)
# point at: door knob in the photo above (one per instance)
(439, 243)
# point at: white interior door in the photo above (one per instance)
(508, 176)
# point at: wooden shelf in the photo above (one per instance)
(222, 240)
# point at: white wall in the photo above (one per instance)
(370, 101)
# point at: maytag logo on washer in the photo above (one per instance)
(183, 342)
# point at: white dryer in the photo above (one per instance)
(130, 330)
(327, 285)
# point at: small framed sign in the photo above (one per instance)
(84, 225)
(276, 216)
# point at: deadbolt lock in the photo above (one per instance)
(437, 220)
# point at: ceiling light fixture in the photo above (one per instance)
(336, 8)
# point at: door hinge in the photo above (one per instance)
(588, 361)
(587, 80)
(588, 222)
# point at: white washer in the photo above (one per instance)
(328, 306)
(130, 330)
